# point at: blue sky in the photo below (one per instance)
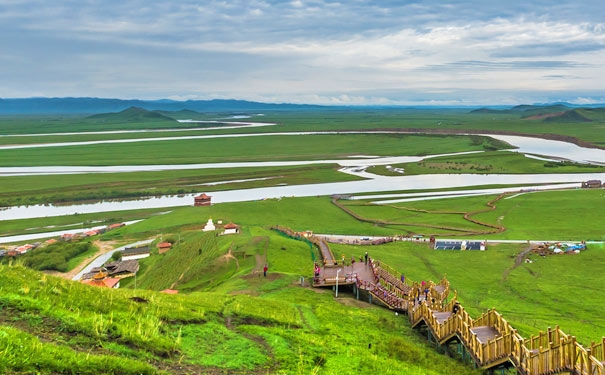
(322, 52)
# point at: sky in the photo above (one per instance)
(467, 52)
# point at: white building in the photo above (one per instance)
(209, 226)
(135, 253)
(231, 229)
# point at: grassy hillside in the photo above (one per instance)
(132, 114)
(74, 328)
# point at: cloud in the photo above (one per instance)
(316, 50)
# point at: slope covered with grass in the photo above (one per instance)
(73, 328)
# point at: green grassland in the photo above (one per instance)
(561, 215)
(331, 119)
(27, 190)
(555, 290)
(458, 119)
(486, 162)
(309, 147)
(229, 318)
(73, 328)
(555, 215)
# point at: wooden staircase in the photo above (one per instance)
(488, 339)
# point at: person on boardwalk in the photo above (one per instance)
(366, 256)
(402, 279)
(353, 261)
(265, 270)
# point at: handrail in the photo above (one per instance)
(548, 352)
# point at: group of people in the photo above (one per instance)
(362, 259)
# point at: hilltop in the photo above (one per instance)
(132, 114)
(549, 113)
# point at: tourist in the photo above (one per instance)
(456, 308)
(353, 261)
(265, 270)
(402, 279)
(361, 259)
(366, 256)
(343, 260)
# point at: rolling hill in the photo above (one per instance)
(132, 114)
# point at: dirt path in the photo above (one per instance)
(461, 231)
(104, 247)
(261, 260)
(518, 261)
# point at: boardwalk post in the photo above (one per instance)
(370, 297)
(357, 291)
(337, 272)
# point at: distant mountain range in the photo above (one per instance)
(167, 107)
(99, 105)
(549, 113)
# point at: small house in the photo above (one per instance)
(51, 241)
(202, 200)
(116, 226)
(135, 253)
(125, 268)
(91, 233)
(67, 237)
(231, 229)
(164, 247)
(592, 184)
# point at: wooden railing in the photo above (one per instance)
(549, 352)
(324, 249)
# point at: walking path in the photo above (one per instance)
(488, 340)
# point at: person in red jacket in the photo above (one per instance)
(265, 270)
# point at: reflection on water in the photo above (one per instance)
(383, 183)
(549, 148)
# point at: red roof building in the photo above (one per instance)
(114, 226)
(51, 241)
(111, 282)
(231, 228)
(170, 291)
(164, 247)
(202, 200)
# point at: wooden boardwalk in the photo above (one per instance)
(489, 340)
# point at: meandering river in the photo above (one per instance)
(373, 183)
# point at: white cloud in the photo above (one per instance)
(313, 50)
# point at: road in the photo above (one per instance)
(101, 259)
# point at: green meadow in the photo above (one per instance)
(553, 215)
(258, 148)
(496, 162)
(20, 190)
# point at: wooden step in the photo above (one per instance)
(485, 333)
(442, 316)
